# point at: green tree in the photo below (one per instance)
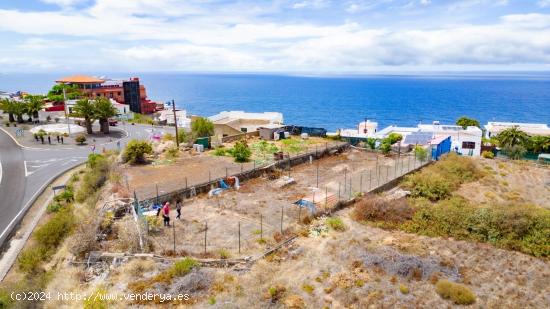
(512, 137)
(202, 127)
(394, 138)
(136, 150)
(539, 143)
(465, 122)
(56, 93)
(241, 152)
(103, 111)
(34, 104)
(85, 109)
(7, 106)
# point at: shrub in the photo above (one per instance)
(224, 254)
(403, 289)
(202, 127)
(465, 122)
(183, 137)
(439, 180)
(168, 137)
(98, 300)
(514, 152)
(308, 288)
(379, 209)
(172, 152)
(56, 229)
(66, 196)
(241, 152)
(432, 187)
(212, 300)
(488, 154)
(183, 267)
(29, 260)
(80, 139)
(220, 151)
(5, 299)
(53, 207)
(458, 293)
(136, 150)
(385, 146)
(420, 153)
(335, 223)
(516, 227)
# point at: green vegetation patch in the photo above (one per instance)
(436, 182)
(458, 293)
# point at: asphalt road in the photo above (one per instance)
(12, 183)
(25, 171)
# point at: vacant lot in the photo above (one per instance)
(261, 205)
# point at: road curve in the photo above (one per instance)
(12, 184)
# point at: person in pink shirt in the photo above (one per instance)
(166, 213)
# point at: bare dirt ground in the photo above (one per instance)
(194, 168)
(258, 205)
(348, 270)
(511, 182)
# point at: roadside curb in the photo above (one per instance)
(9, 256)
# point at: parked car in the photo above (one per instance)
(113, 122)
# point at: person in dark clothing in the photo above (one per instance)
(49, 140)
(178, 209)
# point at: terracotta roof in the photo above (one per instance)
(80, 79)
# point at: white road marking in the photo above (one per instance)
(0, 172)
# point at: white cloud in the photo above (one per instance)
(544, 3)
(63, 3)
(177, 35)
(315, 4)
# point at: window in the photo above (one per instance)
(244, 130)
(468, 145)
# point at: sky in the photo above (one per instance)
(301, 36)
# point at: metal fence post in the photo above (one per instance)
(239, 237)
(361, 183)
(174, 229)
(205, 229)
(261, 227)
(282, 211)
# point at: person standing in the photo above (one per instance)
(178, 209)
(166, 214)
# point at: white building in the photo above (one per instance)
(181, 117)
(464, 141)
(364, 129)
(494, 128)
(235, 122)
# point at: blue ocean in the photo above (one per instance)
(342, 102)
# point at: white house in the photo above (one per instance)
(235, 122)
(494, 128)
(464, 141)
(181, 117)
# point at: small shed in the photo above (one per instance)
(268, 131)
(440, 146)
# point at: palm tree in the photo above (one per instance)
(539, 143)
(104, 110)
(512, 137)
(34, 104)
(7, 106)
(18, 109)
(85, 109)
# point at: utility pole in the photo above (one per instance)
(175, 123)
(65, 109)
